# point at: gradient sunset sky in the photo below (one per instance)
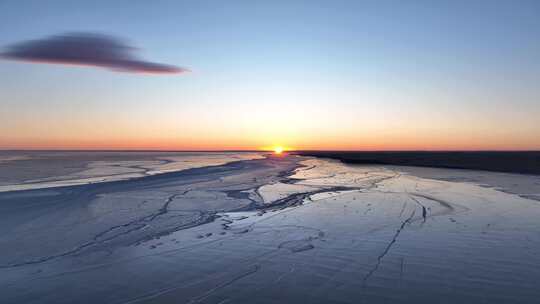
(338, 75)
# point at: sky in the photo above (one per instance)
(227, 75)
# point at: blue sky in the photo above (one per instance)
(304, 74)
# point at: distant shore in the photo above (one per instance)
(527, 162)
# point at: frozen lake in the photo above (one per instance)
(256, 228)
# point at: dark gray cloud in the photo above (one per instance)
(87, 49)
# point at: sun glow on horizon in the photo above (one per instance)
(278, 150)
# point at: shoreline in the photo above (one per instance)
(517, 162)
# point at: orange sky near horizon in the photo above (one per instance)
(332, 134)
(386, 142)
(378, 123)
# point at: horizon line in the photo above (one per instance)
(256, 150)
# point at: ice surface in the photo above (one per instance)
(276, 230)
(37, 170)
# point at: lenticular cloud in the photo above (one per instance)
(86, 49)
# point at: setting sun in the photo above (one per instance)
(278, 150)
